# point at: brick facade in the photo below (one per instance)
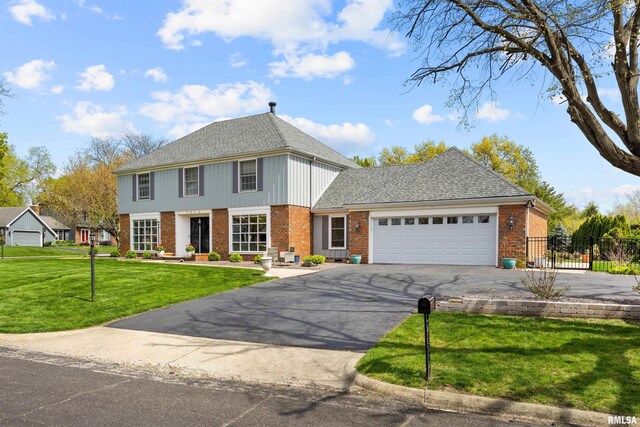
(168, 231)
(220, 232)
(512, 241)
(291, 226)
(359, 235)
(125, 234)
(537, 223)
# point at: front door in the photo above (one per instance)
(200, 234)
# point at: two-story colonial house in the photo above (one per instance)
(246, 184)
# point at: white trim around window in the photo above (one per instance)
(148, 185)
(253, 211)
(344, 228)
(197, 182)
(255, 182)
(140, 217)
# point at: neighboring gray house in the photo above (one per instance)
(23, 227)
(63, 232)
(247, 184)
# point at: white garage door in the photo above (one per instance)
(26, 238)
(461, 240)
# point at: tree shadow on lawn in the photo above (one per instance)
(608, 363)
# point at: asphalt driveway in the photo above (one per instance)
(346, 308)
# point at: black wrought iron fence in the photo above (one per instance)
(582, 253)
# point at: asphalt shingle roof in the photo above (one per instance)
(54, 223)
(9, 214)
(251, 134)
(452, 175)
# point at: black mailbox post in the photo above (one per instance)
(426, 305)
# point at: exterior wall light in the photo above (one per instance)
(357, 227)
(511, 222)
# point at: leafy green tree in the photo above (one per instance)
(590, 210)
(396, 155)
(365, 162)
(426, 151)
(20, 178)
(562, 235)
(513, 161)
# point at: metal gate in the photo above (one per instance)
(574, 253)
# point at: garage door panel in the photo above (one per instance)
(468, 243)
(26, 238)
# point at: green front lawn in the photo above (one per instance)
(40, 295)
(586, 364)
(19, 251)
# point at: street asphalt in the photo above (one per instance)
(48, 390)
(348, 308)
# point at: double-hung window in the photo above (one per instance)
(191, 180)
(104, 236)
(249, 233)
(144, 186)
(248, 175)
(144, 234)
(338, 232)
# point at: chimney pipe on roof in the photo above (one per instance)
(272, 107)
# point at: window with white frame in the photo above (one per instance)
(338, 232)
(191, 182)
(104, 236)
(249, 233)
(248, 175)
(144, 234)
(144, 186)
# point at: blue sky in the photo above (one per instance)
(99, 68)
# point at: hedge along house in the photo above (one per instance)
(24, 227)
(243, 185)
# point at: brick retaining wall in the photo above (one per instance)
(541, 308)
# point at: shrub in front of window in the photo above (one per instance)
(314, 259)
(235, 258)
(130, 255)
(47, 244)
(115, 254)
(160, 248)
(214, 256)
(146, 255)
(190, 248)
(258, 259)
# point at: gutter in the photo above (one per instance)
(487, 201)
(284, 150)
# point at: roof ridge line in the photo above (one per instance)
(275, 126)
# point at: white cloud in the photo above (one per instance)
(306, 28)
(96, 77)
(24, 11)
(236, 60)
(57, 89)
(95, 9)
(310, 66)
(425, 115)
(31, 74)
(180, 130)
(92, 120)
(391, 122)
(157, 74)
(604, 197)
(334, 134)
(491, 111)
(198, 103)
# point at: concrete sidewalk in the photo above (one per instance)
(201, 357)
